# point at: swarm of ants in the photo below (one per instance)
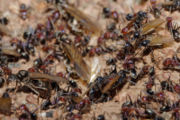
(66, 37)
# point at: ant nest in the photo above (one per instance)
(89, 60)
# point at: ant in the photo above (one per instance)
(103, 87)
(167, 85)
(106, 12)
(154, 9)
(72, 116)
(23, 11)
(149, 113)
(149, 87)
(171, 63)
(129, 110)
(175, 113)
(83, 106)
(115, 16)
(165, 108)
(88, 25)
(173, 28)
(129, 63)
(159, 96)
(176, 33)
(37, 82)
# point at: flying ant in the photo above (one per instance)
(6, 104)
(171, 6)
(152, 43)
(94, 91)
(37, 82)
(81, 67)
(51, 78)
(89, 26)
(99, 90)
(33, 85)
(10, 52)
(151, 26)
(138, 18)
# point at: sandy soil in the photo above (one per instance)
(111, 109)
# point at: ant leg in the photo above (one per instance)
(17, 86)
(35, 91)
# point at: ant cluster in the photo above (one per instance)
(65, 37)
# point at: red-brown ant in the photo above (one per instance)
(23, 11)
(171, 64)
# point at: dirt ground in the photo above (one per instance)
(93, 8)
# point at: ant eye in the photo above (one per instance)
(145, 42)
(136, 34)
